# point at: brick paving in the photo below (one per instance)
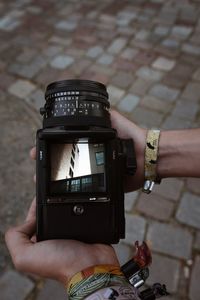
(148, 54)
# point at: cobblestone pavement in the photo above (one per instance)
(148, 54)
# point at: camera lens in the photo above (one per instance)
(76, 103)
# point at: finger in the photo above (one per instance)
(31, 215)
(33, 153)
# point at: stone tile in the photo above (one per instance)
(52, 290)
(37, 99)
(21, 88)
(146, 117)
(123, 252)
(169, 188)
(115, 94)
(117, 45)
(191, 49)
(155, 104)
(182, 31)
(164, 92)
(9, 23)
(197, 241)
(52, 50)
(122, 79)
(171, 43)
(163, 64)
(189, 210)
(13, 284)
(166, 271)
(142, 35)
(94, 52)
(58, 40)
(105, 59)
(184, 109)
(191, 92)
(170, 239)
(196, 75)
(128, 103)
(130, 200)
(173, 122)
(135, 229)
(194, 289)
(162, 30)
(141, 86)
(193, 184)
(149, 74)
(155, 206)
(62, 61)
(129, 53)
(66, 25)
(26, 56)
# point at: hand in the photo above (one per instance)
(56, 259)
(126, 130)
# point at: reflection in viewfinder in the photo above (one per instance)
(77, 167)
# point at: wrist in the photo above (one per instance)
(100, 255)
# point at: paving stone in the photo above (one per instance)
(130, 200)
(141, 86)
(169, 188)
(117, 45)
(62, 61)
(128, 103)
(122, 79)
(146, 117)
(9, 23)
(58, 40)
(194, 290)
(129, 53)
(182, 31)
(166, 271)
(170, 239)
(26, 56)
(52, 290)
(115, 94)
(171, 43)
(196, 75)
(164, 92)
(183, 109)
(155, 206)
(66, 25)
(192, 91)
(193, 184)
(191, 49)
(142, 35)
(21, 88)
(93, 52)
(197, 241)
(105, 59)
(135, 229)
(189, 210)
(173, 122)
(53, 50)
(161, 30)
(14, 285)
(123, 252)
(149, 74)
(164, 64)
(37, 99)
(155, 104)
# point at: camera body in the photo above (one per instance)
(80, 166)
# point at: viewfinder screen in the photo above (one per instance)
(77, 167)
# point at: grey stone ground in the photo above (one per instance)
(148, 54)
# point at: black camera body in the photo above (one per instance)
(80, 166)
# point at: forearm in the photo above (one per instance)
(179, 153)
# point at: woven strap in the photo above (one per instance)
(151, 155)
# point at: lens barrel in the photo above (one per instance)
(76, 103)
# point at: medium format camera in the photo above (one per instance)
(80, 165)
